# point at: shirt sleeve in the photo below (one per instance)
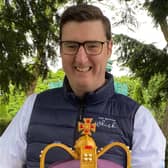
(149, 143)
(13, 140)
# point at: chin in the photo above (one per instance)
(83, 84)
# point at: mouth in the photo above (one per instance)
(83, 69)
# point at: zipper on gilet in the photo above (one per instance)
(79, 118)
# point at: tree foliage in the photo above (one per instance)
(150, 63)
(158, 9)
(145, 60)
(29, 34)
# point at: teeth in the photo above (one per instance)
(83, 69)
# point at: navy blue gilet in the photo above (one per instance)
(56, 113)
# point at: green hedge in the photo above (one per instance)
(3, 124)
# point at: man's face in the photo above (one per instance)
(85, 72)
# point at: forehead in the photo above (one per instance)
(83, 31)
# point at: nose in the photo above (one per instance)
(81, 56)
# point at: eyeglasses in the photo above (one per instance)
(91, 47)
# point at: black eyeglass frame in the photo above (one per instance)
(83, 44)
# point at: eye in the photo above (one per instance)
(71, 45)
(92, 45)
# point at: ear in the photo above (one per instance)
(109, 48)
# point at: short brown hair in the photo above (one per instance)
(84, 12)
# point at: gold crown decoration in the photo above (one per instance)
(85, 148)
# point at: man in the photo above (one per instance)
(88, 91)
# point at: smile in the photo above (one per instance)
(85, 69)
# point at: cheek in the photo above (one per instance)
(102, 60)
(66, 64)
